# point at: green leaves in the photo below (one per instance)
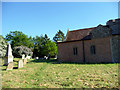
(59, 36)
(40, 45)
(49, 48)
(18, 38)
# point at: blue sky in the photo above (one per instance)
(36, 18)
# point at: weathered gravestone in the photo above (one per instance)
(20, 63)
(55, 57)
(8, 57)
(23, 56)
(25, 61)
(45, 57)
(10, 66)
(28, 57)
(37, 58)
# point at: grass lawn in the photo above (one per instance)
(50, 74)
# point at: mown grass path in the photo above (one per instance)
(50, 74)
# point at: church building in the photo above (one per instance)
(92, 45)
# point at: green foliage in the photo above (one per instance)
(59, 36)
(18, 38)
(38, 41)
(43, 46)
(40, 45)
(19, 50)
(49, 48)
(3, 46)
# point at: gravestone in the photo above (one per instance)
(28, 57)
(25, 61)
(20, 63)
(37, 58)
(55, 57)
(10, 66)
(23, 56)
(8, 57)
(45, 57)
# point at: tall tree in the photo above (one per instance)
(38, 41)
(46, 37)
(49, 48)
(18, 38)
(43, 46)
(59, 36)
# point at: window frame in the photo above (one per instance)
(93, 49)
(75, 51)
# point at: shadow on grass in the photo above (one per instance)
(46, 61)
(55, 61)
(13, 68)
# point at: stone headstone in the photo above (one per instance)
(28, 57)
(25, 61)
(45, 57)
(23, 56)
(55, 57)
(37, 58)
(8, 57)
(20, 63)
(10, 66)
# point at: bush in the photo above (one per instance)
(3, 46)
(19, 50)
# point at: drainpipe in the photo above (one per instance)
(83, 51)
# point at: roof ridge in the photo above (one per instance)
(82, 29)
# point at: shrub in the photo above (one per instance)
(19, 50)
(3, 46)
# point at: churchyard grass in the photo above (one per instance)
(50, 74)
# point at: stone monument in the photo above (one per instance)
(37, 58)
(23, 56)
(8, 57)
(10, 66)
(28, 57)
(20, 63)
(45, 57)
(25, 61)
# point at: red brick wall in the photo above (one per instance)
(103, 51)
(65, 52)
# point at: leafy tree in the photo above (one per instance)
(49, 48)
(38, 41)
(3, 46)
(43, 46)
(18, 38)
(59, 36)
(46, 37)
(19, 50)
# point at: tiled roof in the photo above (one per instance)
(79, 34)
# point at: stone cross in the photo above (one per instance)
(20, 63)
(23, 56)
(10, 66)
(8, 57)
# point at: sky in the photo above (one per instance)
(39, 18)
